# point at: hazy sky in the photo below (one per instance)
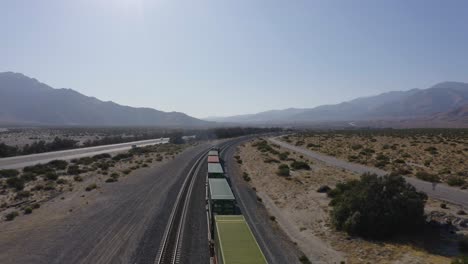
(225, 57)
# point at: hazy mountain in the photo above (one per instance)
(24, 100)
(397, 105)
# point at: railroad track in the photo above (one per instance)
(171, 246)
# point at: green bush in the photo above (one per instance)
(304, 260)
(425, 176)
(28, 176)
(74, 170)
(108, 180)
(51, 176)
(7, 173)
(22, 195)
(78, 178)
(101, 156)
(49, 186)
(283, 155)
(11, 216)
(91, 187)
(377, 207)
(38, 169)
(15, 182)
(455, 181)
(283, 170)
(58, 164)
(28, 210)
(246, 176)
(300, 165)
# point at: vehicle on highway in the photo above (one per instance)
(231, 240)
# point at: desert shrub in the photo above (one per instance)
(49, 186)
(58, 164)
(85, 160)
(304, 260)
(271, 160)
(11, 216)
(159, 158)
(455, 181)
(115, 175)
(15, 182)
(101, 156)
(78, 178)
(38, 169)
(300, 143)
(28, 176)
(22, 195)
(283, 155)
(122, 156)
(300, 165)
(61, 181)
(356, 146)
(400, 161)
(377, 207)
(425, 176)
(381, 164)
(51, 176)
(7, 173)
(443, 206)
(246, 177)
(28, 210)
(91, 187)
(109, 180)
(283, 170)
(103, 166)
(74, 170)
(324, 189)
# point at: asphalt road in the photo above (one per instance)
(27, 160)
(441, 191)
(123, 223)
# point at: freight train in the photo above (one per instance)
(231, 239)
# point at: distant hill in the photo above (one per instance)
(26, 101)
(439, 102)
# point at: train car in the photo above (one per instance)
(215, 170)
(234, 242)
(213, 152)
(221, 198)
(213, 159)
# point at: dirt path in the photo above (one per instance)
(441, 191)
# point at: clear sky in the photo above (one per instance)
(220, 57)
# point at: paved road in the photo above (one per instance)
(123, 222)
(27, 160)
(442, 191)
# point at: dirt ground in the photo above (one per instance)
(303, 214)
(85, 184)
(440, 153)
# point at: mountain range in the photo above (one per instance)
(443, 102)
(26, 101)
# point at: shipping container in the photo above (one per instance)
(215, 170)
(213, 159)
(222, 199)
(234, 241)
(213, 153)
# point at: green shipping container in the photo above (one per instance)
(215, 170)
(235, 243)
(222, 199)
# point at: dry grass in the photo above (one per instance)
(295, 201)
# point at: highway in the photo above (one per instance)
(441, 191)
(27, 160)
